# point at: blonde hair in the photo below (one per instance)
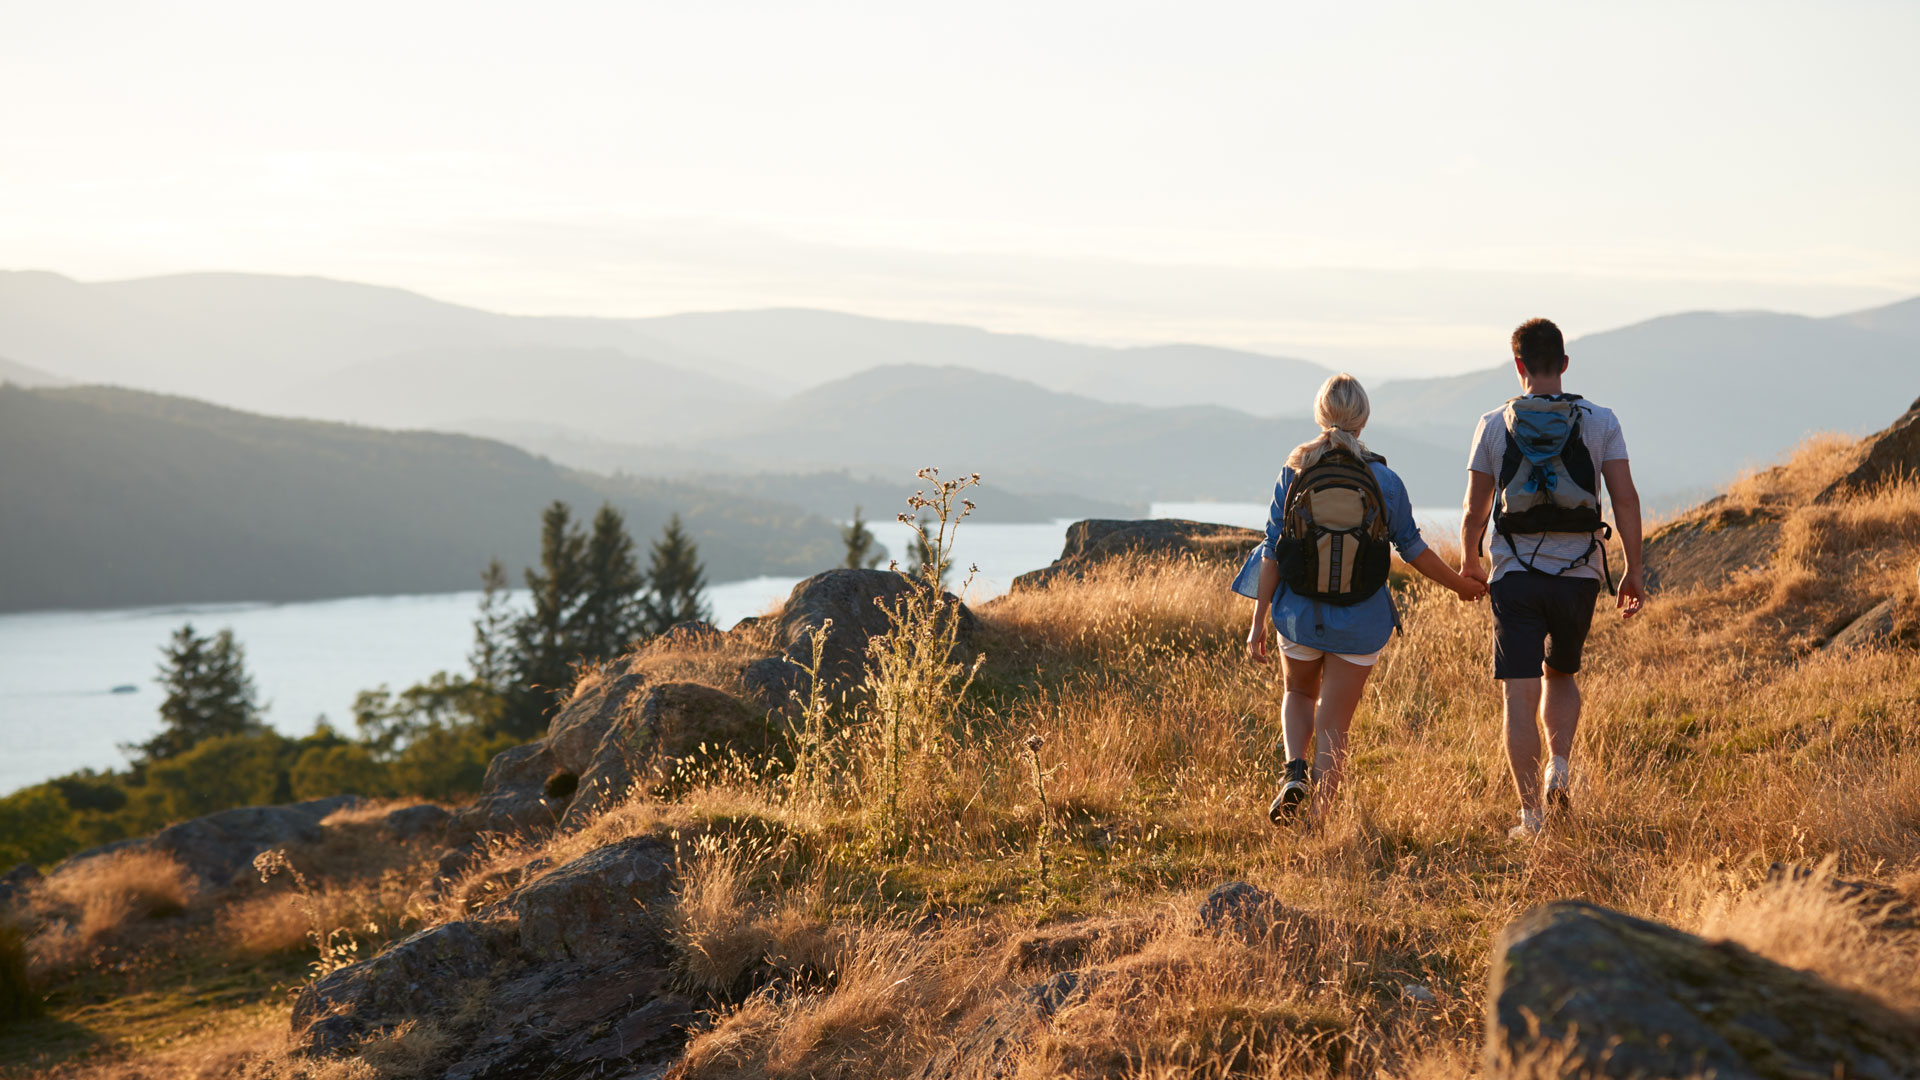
(1341, 409)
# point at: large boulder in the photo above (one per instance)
(567, 975)
(1633, 998)
(597, 906)
(575, 732)
(1094, 541)
(512, 802)
(220, 848)
(856, 602)
(419, 976)
(645, 746)
(1884, 456)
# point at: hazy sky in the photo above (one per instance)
(1386, 185)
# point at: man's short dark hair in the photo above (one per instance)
(1537, 344)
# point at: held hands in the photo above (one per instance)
(1470, 589)
(1473, 580)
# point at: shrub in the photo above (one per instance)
(17, 999)
(36, 825)
(347, 769)
(224, 772)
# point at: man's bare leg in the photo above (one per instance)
(1560, 711)
(1523, 738)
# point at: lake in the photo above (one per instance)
(58, 669)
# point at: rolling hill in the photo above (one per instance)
(597, 393)
(22, 375)
(889, 421)
(119, 498)
(800, 348)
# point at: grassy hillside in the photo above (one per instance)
(1717, 740)
(118, 498)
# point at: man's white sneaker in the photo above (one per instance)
(1559, 781)
(1531, 825)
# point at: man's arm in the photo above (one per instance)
(1626, 517)
(1473, 523)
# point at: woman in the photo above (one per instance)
(1328, 648)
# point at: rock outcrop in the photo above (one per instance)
(1884, 456)
(992, 1047)
(1707, 549)
(1632, 998)
(17, 881)
(567, 975)
(1095, 541)
(1875, 625)
(853, 600)
(220, 847)
(622, 730)
(645, 746)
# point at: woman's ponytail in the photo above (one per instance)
(1341, 409)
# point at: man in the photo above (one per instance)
(1537, 466)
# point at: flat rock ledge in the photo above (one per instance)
(1580, 990)
(1097, 540)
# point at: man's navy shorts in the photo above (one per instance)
(1539, 617)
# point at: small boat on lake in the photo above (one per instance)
(125, 688)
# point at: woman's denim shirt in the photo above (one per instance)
(1361, 628)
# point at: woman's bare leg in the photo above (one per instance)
(1341, 685)
(1297, 707)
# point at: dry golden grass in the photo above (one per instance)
(1818, 461)
(87, 903)
(1711, 747)
(1715, 742)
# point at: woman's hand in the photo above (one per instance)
(1257, 645)
(1470, 589)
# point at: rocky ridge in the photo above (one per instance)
(1092, 542)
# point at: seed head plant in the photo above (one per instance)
(914, 684)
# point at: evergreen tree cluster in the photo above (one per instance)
(589, 601)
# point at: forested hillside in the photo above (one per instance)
(115, 498)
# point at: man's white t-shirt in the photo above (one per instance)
(1552, 553)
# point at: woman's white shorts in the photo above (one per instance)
(1296, 651)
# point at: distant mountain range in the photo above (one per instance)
(888, 421)
(793, 393)
(268, 343)
(119, 498)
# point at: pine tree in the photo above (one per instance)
(492, 655)
(209, 693)
(677, 582)
(545, 646)
(609, 617)
(863, 551)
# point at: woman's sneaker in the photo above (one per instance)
(1532, 823)
(1292, 793)
(1559, 780)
